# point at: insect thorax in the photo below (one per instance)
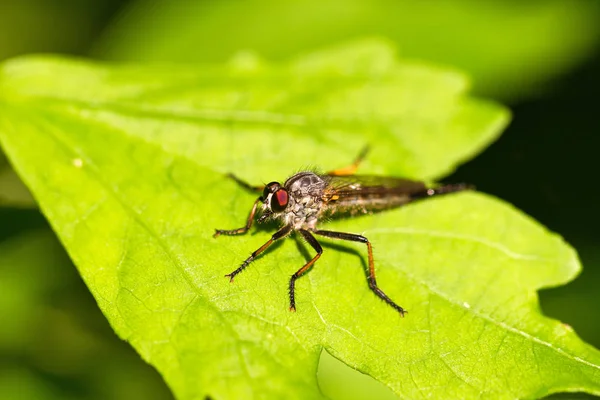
(306, 191)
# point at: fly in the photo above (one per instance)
(308, 197)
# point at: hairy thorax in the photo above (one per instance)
(306, 200)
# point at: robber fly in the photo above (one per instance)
(308, 197)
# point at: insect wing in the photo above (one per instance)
(366, 193)
(352, 185)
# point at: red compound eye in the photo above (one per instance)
(279, 201)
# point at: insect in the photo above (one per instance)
(306, 198)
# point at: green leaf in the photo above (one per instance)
(127, 163)
(509, 48)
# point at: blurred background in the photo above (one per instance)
(541, 58)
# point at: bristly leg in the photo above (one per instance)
(242, 230)
(351, 169)
(245, 184)
(283, 232)
(315, 245)
(371, 277)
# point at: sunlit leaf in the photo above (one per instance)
(127, 163)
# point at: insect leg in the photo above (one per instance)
(351, 169)
(283, 232)
(242, 230)
(315, 245)
(371, 277)
(245, 184)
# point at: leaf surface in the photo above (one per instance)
(127, 163)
